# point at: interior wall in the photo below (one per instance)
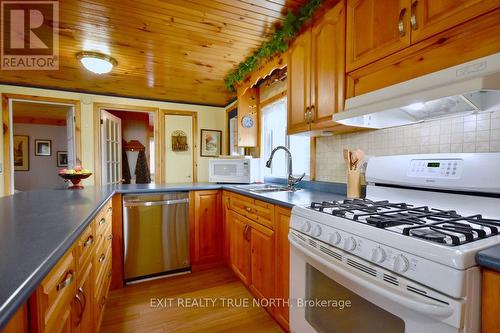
(42, 169)
(469, 134)
(209, 117)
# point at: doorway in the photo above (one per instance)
(41, 136)
(180, 146)
(126, 145)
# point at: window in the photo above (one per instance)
(274, 121)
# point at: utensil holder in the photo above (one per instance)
(353, 184)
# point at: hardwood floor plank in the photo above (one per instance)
(129, 309)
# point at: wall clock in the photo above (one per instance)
(247, 121)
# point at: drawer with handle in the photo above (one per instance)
(85, 246)
(104, 219)
(102, 264)
(256, 210)
(54, 295)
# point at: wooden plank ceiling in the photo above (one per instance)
(174, 50)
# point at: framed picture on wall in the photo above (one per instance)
(62, 158)
(21, 153)
(211, 143)
(43, 148)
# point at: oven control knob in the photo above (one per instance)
(306, 226)
(334, 238)
(401, 264)
(378, 255)
(317, 231)
(350, 244)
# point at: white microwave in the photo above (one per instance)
(241, 170)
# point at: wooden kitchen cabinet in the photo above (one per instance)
(262, 260)
(206, 226)
(491, 301)
(299, 83)
(248, 108)
(19, 322)
(71, 298)
(328, 67)
(282, 275)
(449, 48)
(240, 247)
(316, 73)
(379, 28)
(375, 29)
(430, 17)
(226, 226)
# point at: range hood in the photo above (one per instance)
(468, 88)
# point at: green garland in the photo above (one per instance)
(277, 44)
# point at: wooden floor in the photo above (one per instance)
(129, 309)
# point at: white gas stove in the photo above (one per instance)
(416, 234)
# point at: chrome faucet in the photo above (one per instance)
(292, 181)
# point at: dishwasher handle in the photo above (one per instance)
(155, 203)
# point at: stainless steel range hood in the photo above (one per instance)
(468, 88)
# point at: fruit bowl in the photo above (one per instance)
(75, 179)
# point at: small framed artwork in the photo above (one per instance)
(21, 153)
(211, 144)
(62, 158)
(43, 148)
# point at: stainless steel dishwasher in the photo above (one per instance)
(155, 235)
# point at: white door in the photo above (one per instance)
(178, 164)
(70, 128)
(111, 149)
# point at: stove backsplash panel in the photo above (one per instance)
(469, 134)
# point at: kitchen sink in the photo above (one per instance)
(265, 188)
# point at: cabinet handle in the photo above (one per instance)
(110, 237)
(311, 114)
(306, 115)
(67, 281)
(102, 257)
(110, 209)
(413, 17)
(102, 221)
(401, 24)
(82, 309)
(89, 241)
(248, 209)
(81, 292)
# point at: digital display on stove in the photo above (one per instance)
(433, 164)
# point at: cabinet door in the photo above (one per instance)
(240, 247)
(226, 220)
(328, 50)
(429, 17)
(82, 303)
(299, 83)
(262, 262)
(248, 120)
(282, 264)
(491, 305)
(375, 29)
(206, 239)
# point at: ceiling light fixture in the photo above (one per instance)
(96, 62)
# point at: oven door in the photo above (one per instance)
(374, 306)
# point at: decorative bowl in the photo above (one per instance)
(75, 179)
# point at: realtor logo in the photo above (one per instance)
(30, 39)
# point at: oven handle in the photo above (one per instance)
(428, 309)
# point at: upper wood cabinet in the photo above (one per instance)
(316, 73)
(299, 83)
(376, 28)
(429, 17)
(206, 237)
(248, 118)
(328, 67)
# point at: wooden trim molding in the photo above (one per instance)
(272, 99)
(278, 61)
(6, 121)
(194, 115)
(97, 107)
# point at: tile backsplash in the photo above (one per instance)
(474, 133)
